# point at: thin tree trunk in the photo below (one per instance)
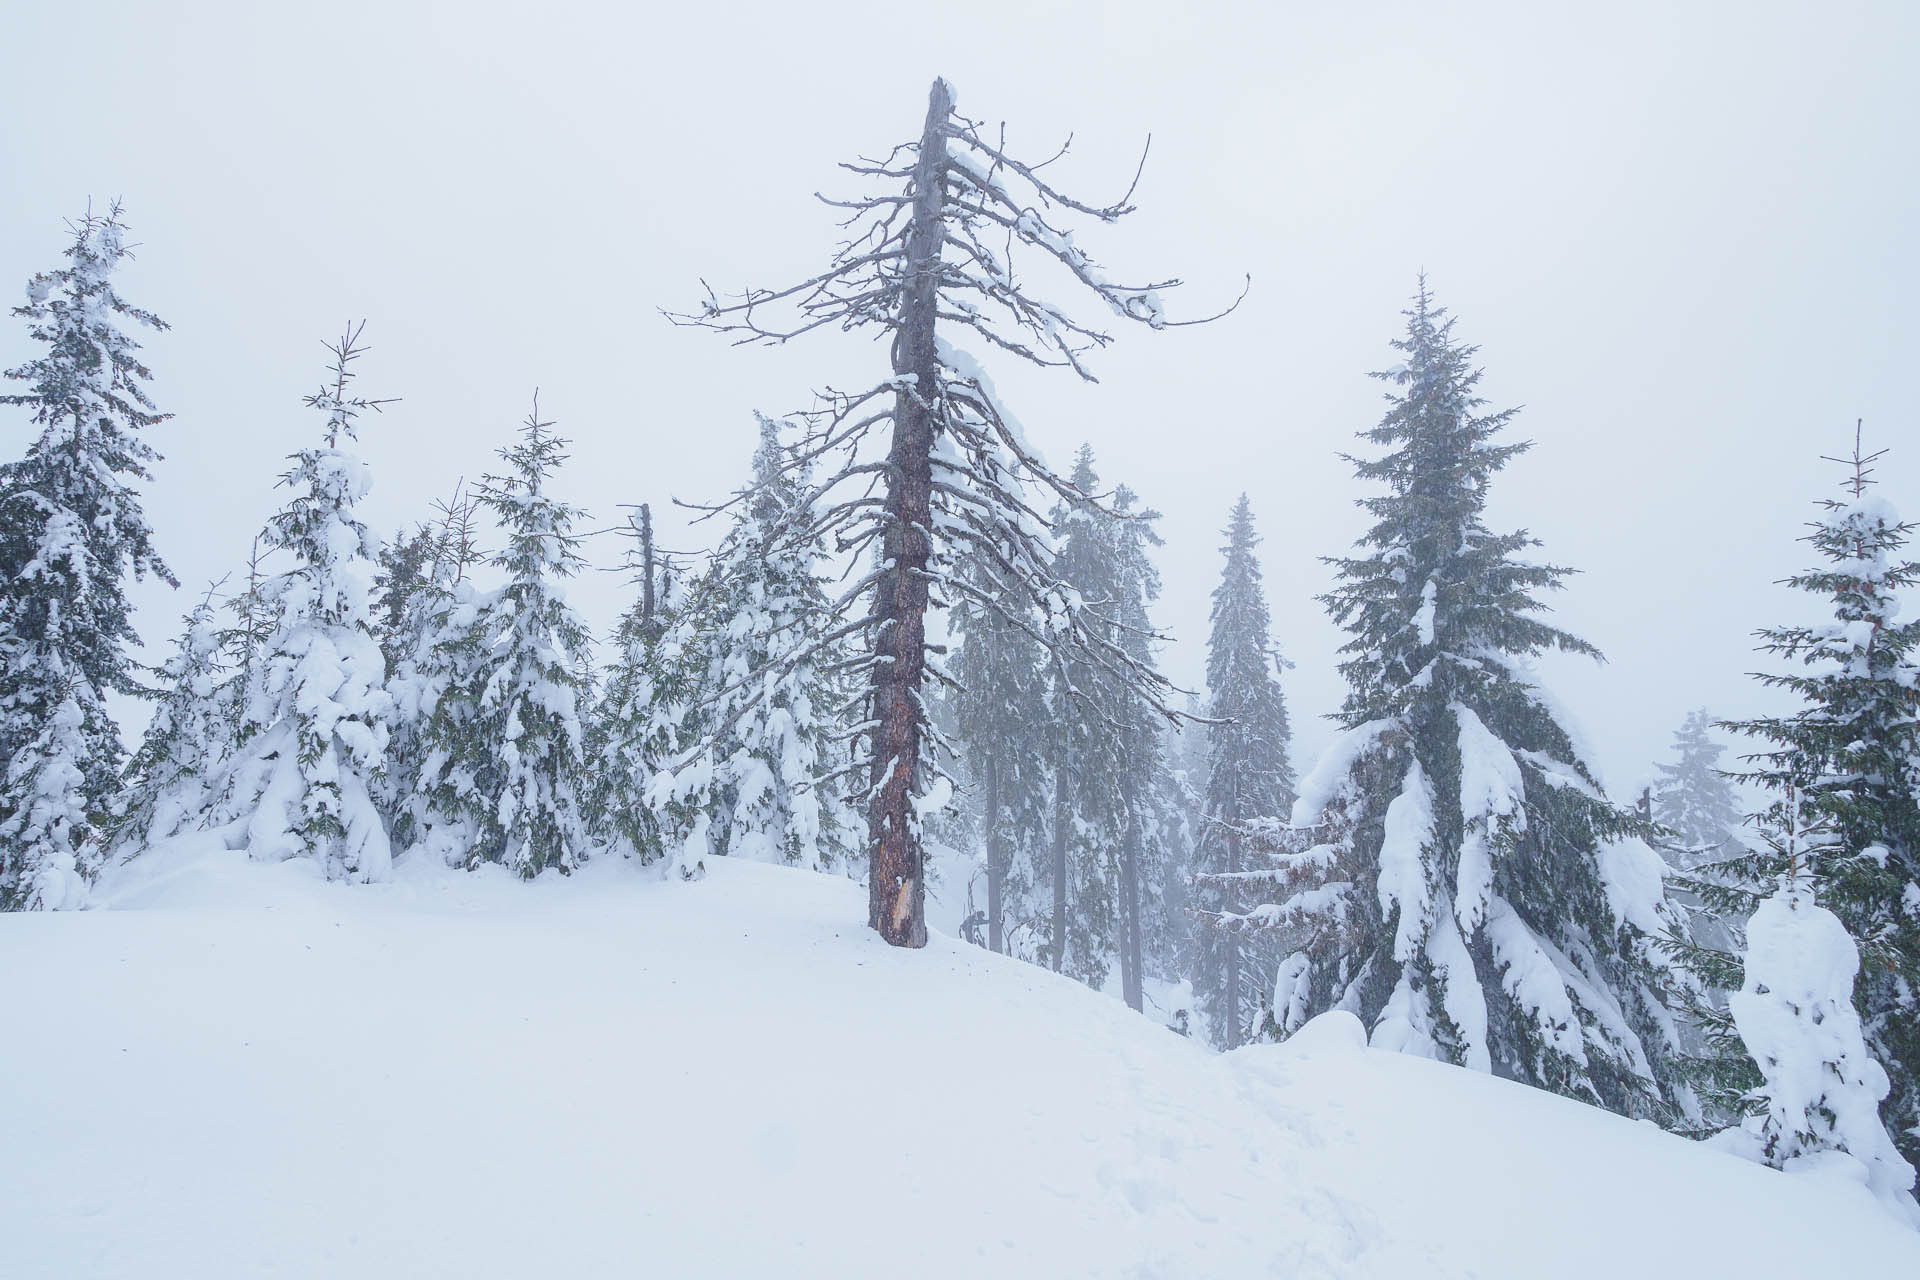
(1233, 948)
(1062, 818)
(896, 882)
(996, 860)
(1130, 984)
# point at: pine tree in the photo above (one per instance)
(1820, 1090)
(505, 771)
(427, 624)
(304, 774)
(766, 786)
(72, 532)
(634, 730)
(1002, 727)
(1248, 776)
(934, 250)
(1115, 818)
(186, 741)
(1464, 885)
(1847, 766)
(1692, 799)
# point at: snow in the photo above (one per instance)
(242, 1069)
(1795, 1012)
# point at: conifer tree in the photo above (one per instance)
(1692, 799)
(634, 731)
(72, 532)
(1846, 765)
(1115, 817)
(769, 788)
(1002, 727)
(428, 627)
(931, 255)
(303, 777)
(186, 741)
(1820, 1088)
(1248, 775)
(1463, 884)
(504, 777)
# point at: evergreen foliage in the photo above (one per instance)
(1458, 878)
(1248, 775)
(1846, 766)
(503, 778)
(186, 741)
(72, 532)
(770, 727)
(1003, 728)
(1692, 800)
(302, 777)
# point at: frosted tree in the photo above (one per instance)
(303, 777)
(1456, 877)
(505, 771)
(186, 741)
(72, 533)
(931, 255)
(769, 786)
(1002, 728)
(635, 729)
(1847, 765)
(1116, 821)
(1692, 798)
(427, 614)
(1821, 1089)
(1248, 775)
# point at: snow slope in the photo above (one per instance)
(260, 1074)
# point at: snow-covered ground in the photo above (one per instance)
(251, 1072)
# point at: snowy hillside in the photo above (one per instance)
(249, 1071)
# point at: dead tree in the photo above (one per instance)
(934, 249)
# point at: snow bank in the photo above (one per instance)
(453, 1074)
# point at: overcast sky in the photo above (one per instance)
(1683, 236)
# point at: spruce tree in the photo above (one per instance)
(1692, 800)
(633, 732)
(1248, 775)
(767, 784)
(303, 777)
(72, 532)
(1002, 727)
(1115, 815)
(1460, 880)
(505, 776)
(1820, 1089)
(1846, 765)
(186, 741)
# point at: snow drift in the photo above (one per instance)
(238, 1069)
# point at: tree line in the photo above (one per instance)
(915, 632)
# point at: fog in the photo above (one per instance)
(1684, 241)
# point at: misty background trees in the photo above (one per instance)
(918, 646)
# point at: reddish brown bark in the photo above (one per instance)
(896, 882)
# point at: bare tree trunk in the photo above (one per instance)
(996, 860)
(1062, 818)
(1232, 1001)
(896, 883)
(1130, 983)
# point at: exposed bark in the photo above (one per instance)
(1130, 951)
(1062, 819)
(996, 860)
(1232, 948)
(896, 878)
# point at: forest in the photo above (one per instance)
(915, 655)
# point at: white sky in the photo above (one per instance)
(1684, 237)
